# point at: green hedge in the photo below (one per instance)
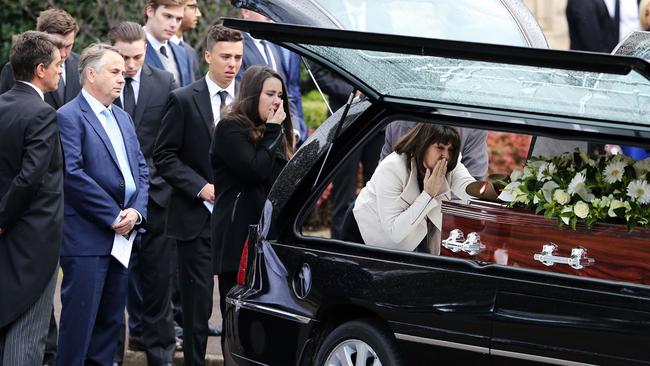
(95, 18)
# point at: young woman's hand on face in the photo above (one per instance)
(433, 179)
(277, 117)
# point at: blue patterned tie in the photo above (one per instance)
(114, 134)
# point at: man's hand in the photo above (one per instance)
(207, 193)
(2, 231)
(128, 218)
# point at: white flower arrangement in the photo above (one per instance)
(574, 187)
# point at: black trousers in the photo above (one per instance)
(196, 285)
(345, 182)
(156, 271)
(150, 276)
(226, 282)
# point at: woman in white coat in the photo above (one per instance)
(400, 205)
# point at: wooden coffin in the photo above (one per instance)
(516, 237)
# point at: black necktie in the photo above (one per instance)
(163, 51)
(222, 95)
(60, 90)
(129, 98)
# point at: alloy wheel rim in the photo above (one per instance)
(353, 352)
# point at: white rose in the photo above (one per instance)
(561, 197)
(581, 209)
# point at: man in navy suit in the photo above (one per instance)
(151, 326)
(105, 187)
(163, 19)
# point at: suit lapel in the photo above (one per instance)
(202, 101)
(151, 57)
(72, 78)
(90, 116)
(143, 94)
(181, 63)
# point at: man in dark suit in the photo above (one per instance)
(31, 199)
(190, 20)
(163, 19)
(181, 157)
(106, 185)
(591, 28)
(62, 25)
(150, 272)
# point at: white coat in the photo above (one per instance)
(391, 210)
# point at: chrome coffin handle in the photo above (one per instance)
(577, 260)
(456, 242)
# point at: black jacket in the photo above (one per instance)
(181, 158)
(243, 175)
(155, 86)
(31, 199)
(72, 86)
(590, 26)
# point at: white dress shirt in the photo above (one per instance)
(39, 91)
(215, 100)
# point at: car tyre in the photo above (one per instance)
(359, 343)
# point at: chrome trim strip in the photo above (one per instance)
(248, 359)
(529, 357)
(438, 342)
(269, 310)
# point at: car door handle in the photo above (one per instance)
(577, 260)
(456, 242)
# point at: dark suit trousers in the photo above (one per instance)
(196, 285)
(345, 182)
(156, 274)
(93, 296)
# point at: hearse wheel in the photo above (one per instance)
(365, 342)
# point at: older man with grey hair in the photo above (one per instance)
(106, 186)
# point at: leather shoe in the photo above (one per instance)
(214, 330)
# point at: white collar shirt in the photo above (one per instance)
(215, 100)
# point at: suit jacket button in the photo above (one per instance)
(121, 184)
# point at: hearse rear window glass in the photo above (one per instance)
(430, 19)
(589, 95)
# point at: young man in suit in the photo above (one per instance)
(190, 20)
(163, 19)
(106, 185)
(31, 199)
(144, 96)
(181, 157)
(62, 25)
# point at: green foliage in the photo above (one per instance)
(314, 109)
(95, 18)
